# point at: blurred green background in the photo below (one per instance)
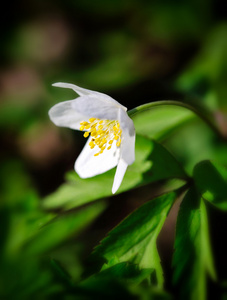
(137, 51)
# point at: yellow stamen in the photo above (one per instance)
(92, 120)
(118, 143)
(103, 133)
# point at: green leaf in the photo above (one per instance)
(153, 163)
(135, 238)
(61, 228)
(124, 271)
(161, 121)
(192, 258)
(211, 183)
(121, 281)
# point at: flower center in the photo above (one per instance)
(103, 133)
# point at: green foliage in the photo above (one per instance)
(161, 121)
(135, 238)
(211, 182)
(192, 257)
(72, 239)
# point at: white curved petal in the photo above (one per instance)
(85, 92)
(80, 91)
(65, 115)
(87, 165)
(128, 138)
(120, 172)
(96, 107)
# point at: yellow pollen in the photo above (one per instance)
(103, 133)
(92, 120)
(118, 143)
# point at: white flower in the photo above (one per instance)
(111, 132)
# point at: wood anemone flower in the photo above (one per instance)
(106, 124)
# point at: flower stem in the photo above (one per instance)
(205, 115)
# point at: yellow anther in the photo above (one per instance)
(92, 120)
(84, 123)
(103, 133)
(118, 143)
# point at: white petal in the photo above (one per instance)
(128, 140)
(80, 91)
(96, 107)
(63, 114)
(120, 172)
(87, 165)
(85, 92)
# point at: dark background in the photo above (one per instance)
(136, 51)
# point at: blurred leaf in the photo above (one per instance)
(207, 74)
(17, 117)
(160, 121)
(62, 227)
(211, 182)
(135, 238)
(99, 75)
(118, 281)
(104, 288)
(192, 258)
(153, 163)
(126, 271)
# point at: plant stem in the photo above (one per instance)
(205, 115)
